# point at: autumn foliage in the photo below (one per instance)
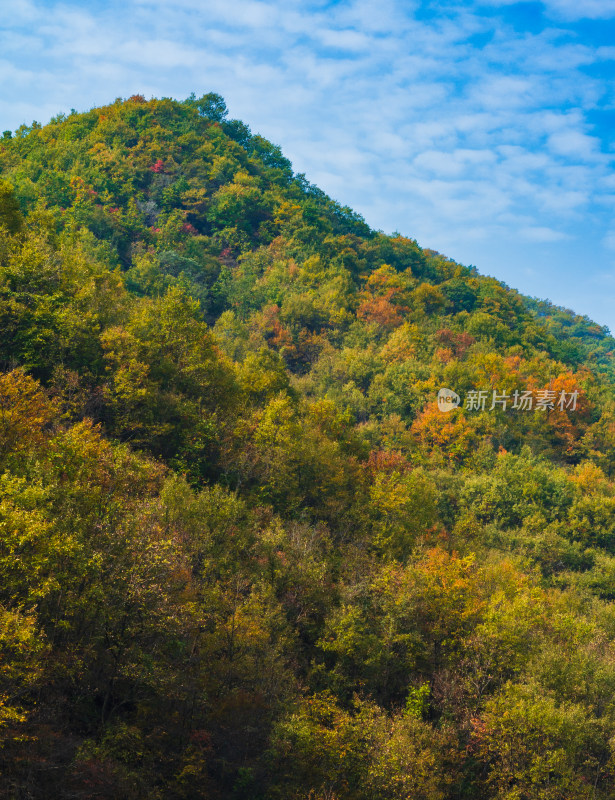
(243, 553)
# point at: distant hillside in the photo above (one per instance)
(244, 552)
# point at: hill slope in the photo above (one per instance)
(242, 551)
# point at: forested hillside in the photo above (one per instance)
(243, 553)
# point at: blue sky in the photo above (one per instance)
(486, 130)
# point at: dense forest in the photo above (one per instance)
(243, 553)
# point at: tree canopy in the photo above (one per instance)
(243, 553)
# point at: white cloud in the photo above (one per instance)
(574, 143)
(569, 9)
(23, 11)
(587, 9)
(537, 233)
(345, 39)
